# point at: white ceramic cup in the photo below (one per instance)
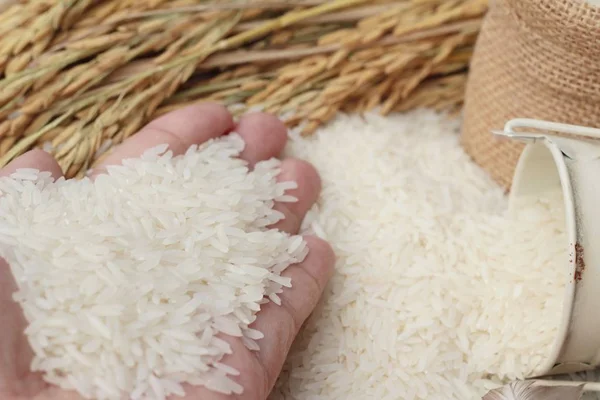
(569, 161)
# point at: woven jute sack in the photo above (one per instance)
(533, 59)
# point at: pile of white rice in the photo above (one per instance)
(438, 294)
(129, 282)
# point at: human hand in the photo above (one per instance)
(265, 137)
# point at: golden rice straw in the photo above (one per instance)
(84, 75)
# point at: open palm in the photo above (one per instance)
(265, 138)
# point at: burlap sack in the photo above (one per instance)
(533, 59)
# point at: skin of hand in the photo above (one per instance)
(265, 137)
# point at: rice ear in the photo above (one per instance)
(529, 390)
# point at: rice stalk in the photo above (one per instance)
(103, 69)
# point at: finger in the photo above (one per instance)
(179, 129)
(280, 324)
(251, 376)
(264, 134)
(307, 192)
(36, 159)
(258, 370)
(16, 352)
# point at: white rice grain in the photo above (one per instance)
(437, 293)
(128, 280)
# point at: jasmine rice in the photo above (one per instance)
(438, 293)
(130, 281)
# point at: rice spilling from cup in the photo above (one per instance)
(438, 293)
